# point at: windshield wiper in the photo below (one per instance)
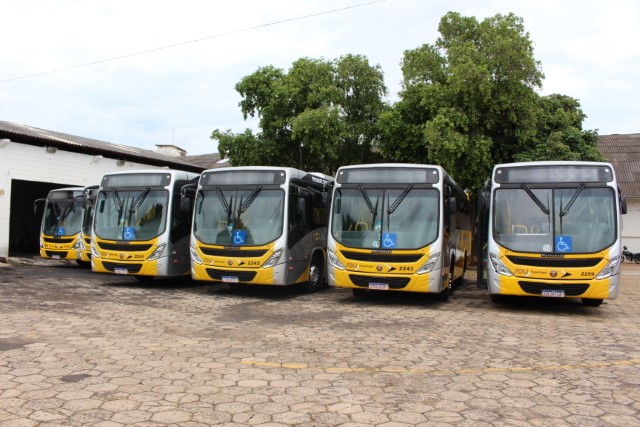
(391, 209)
(137, 203)
(372, 209)
(537, 201)
(565, 211)
(225, 204)
(244, 206)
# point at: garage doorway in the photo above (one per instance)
(24, 225)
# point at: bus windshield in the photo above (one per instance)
(252, 216)
(558, 220)
(391, 218)
(131, 214)
(62, 217)
(87, 220)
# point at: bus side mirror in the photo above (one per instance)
(302, 206)
(185, 204)
(453, 205)
(36, 204)
(623, 206)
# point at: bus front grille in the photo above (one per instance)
(126, 247)
(393, 282)
(243, 276)
(58, 239)
(61, 254)
(235, 253)
(554, 262)
(113, 266)
(373, 257)
(570, 290)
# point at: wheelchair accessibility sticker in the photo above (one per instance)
(389, 240)
(239, 237)
(563, 244)
(129, 233)
(60, 231)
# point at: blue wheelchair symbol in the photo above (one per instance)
(239, 237)
(60, 231)
(129, 233)
(389, 240)
(564, 244)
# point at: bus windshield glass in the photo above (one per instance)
(131, 215)
(252, 216)
(389, 218)
(62, 217)
(559, 220)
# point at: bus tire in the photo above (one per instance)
(316, 276)
(591, 302)
(444, 295)
(359, 293)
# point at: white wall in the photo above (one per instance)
(30, 163)
(631, 226)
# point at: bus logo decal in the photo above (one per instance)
(129, 233)
(563, 244)
(239, 237)
(389, 240)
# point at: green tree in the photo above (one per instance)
(560, 135)
(469, 101)
(317, 116)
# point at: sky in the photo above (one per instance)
(144, 73)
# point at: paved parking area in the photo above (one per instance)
(78, 348)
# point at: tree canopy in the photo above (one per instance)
(468, 101)
(317, 116)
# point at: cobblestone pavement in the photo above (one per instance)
(79, 348)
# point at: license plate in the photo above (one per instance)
(121, 271)
(552, 293)
(55, 256)
(229, 279)
(379, 286)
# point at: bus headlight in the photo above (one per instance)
(498, 266)
(609, 269)
(333, 260)
(273, 259)
(157, 253)
(78, 245)
(430, 264)
(194, 256)
(94, 251)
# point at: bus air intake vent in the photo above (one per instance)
(393, 282)
(361, 256)
(555, 262)
(243, 276)
(124, 247)
(112, 266)
(235, 253)
(61, 254)
(58, 239)
(570, 290)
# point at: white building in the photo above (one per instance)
(34, 161)
(623, 152)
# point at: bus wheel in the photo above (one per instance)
(497, 298)
(445, 294)
(591, 302)
(315, 277)
(83, 264)
(359, 293)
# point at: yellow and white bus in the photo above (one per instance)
(398, 227)
(140, 226)
(260, 226)
(88, 207)
(60, 232)
(554, 231)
